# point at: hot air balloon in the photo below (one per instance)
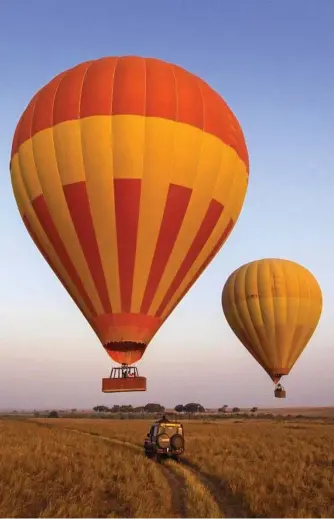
(273, 306)
(129, 174)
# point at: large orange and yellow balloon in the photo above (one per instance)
(273, 306)
(129, 174)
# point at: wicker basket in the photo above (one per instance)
(120, 385)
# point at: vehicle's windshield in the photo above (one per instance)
(170, 430)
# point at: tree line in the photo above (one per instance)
(191, 407)
(149, 408)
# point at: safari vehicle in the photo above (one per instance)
(165, 439)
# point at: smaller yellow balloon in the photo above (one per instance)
(273, 306)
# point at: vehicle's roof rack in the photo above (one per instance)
(163, 419)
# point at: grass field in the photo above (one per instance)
(96, 468)
(303, 411)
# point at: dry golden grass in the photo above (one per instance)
(56, 473)
(259, 469)
(274, 470)
(132, 431)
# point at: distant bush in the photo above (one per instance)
(138, 409)
(101, 409)
(53, 414)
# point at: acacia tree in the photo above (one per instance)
(192, 407)
(154, 408)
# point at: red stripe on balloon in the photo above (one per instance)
(175, 209)
(78, 205)
(127, 203)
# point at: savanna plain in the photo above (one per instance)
(231, 468)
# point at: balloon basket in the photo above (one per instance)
(280, 393)
(125, 379)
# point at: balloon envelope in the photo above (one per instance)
(129, 174)
(273, 306)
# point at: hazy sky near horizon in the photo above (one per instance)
(272, 61)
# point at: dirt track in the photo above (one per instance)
(225, 503)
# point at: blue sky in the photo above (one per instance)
(272, 61)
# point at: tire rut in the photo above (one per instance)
(231, 505)
(176, 484)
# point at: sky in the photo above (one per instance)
(272, 62)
